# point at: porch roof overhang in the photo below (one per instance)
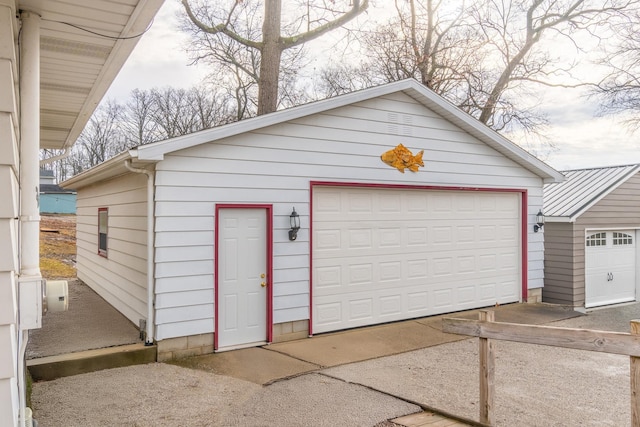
(83, 46)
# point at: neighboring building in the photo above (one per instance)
(55, 66)
(54, 199)
(592, 226)
(209, 215)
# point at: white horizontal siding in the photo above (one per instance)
(179, 284)
(180, 329)
(184, 299)
(184, 238)
(275, 165)
(121, 277)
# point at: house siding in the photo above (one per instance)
(275, 165)
(57, 203)
(9, 212)
(120, 278)
(619, 209)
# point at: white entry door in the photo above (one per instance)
(610, 271)
(242, 283)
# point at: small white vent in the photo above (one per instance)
(400, 124)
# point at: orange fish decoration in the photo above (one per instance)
(401, 157)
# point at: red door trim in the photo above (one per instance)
(269, 279)
(523, 220)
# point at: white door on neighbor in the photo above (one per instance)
(610, 270)
(242, 283)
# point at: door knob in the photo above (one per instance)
(262, 276)
(263, 284)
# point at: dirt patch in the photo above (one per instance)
(58, 246)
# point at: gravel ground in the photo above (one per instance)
(82, 327)
(535, 386)
(166, 395)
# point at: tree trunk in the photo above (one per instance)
(270, 55)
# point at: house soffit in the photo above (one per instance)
(83, 45)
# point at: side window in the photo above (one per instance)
(103, 221)
(622, 239)
(598, 239)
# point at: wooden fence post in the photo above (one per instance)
(487, 370)
(634, 374)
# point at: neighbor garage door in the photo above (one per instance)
(610, 270)
(382, 255)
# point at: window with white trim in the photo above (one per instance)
(597, 239)
(620, 239)
(103, 228)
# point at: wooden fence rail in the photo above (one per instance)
(581, 339)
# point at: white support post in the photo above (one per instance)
(29, 145)
(29, 234)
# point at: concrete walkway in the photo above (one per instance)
(90, 323)
(384, 372)
(264, 365)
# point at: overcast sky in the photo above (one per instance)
(582, 139)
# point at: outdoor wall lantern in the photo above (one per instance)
(294, 220)
(539, 221)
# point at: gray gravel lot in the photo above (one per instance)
(535, 386)
(167, 395)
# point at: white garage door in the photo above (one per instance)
(610, 269)
(382, 255)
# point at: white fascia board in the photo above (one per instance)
(558, 219)
(105, 170)
(411, 87)
(490, 137)
(156, 151)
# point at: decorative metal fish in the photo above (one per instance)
(402, 158)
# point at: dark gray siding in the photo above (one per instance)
(558, 263)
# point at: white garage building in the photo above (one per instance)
(208, 214)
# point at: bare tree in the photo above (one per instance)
(102, 137)
(246, 39)
(209, 108)
(147, 116)
(620, 89)
(489, 57)
(137, 122)
(515, 32)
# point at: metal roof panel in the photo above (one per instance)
(583, 188)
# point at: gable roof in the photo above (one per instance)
(156, 151)
(583, 188)
(53, 188)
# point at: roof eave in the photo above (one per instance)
(142, 15)
(559, 219)
(105, 170)
(411, 87)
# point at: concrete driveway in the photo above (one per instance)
(360, 378)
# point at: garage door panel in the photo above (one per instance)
(344, 275)
(378, 240)
(382, 306)
(431, 252)
(610, 267)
